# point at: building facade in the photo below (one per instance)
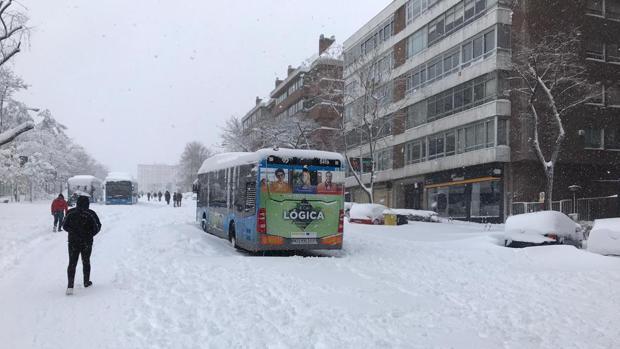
(155, 178)
(458, 142)
(310, 92)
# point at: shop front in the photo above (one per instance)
(469, 194)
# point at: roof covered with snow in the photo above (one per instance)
(226, 160)
(118, 176)
(82, 180)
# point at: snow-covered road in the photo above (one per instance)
(160, 282)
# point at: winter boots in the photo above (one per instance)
(69, 291)
(88, 283)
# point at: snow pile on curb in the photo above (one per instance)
(605, 237)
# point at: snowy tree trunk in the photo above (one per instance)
(9, 135)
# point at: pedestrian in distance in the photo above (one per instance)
(81, 224)
(180, 198)
(159, 196)
(148, 196)
(167, 197)
(59, 209)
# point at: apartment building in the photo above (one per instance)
(311, 91)
(456, 141)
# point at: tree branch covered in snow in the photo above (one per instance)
(8, 136)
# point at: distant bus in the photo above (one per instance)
(84, 185)
(120, 189)
(299, 204)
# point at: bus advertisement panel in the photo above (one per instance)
(303, 202)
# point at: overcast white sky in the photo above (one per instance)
(134, 81)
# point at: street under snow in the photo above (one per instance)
(160, 282)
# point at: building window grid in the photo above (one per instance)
(609, 97)
(414, 8)
(472, 137)
(299, 83)
(430, 71)
(603, 52)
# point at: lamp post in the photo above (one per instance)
(574, 189)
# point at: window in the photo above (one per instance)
(434, 70)
(450, 143)
(469, 9)
(467, 52)
(613, 95)
(502, 129)
(612, 139)
(413, 10)
(454, 17)
(436, 146)
(613, 52)
(480, 5)
(416, 42)
(490, 134)
(281, 97)
(415, 152)
(489, 41)
(595, 49)
(594, 138)
(451, 62)
(436, 29)
(612, 9)
(383, 159)
(416, 115)
(477, 47)
(595, 7)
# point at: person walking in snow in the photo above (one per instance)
(180, 199)
(81, 224)
(167, 197)
(159, 195)
(148, 196)
(59, 209)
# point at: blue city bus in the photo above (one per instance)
(272, 199)
(120, 189)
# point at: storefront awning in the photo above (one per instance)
(466, 181)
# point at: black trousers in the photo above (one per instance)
(75, 250)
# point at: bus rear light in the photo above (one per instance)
(341, 222)
(271, 240)
(261, 222)
(332, 240)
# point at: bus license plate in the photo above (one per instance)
(304, 241)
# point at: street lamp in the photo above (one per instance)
(574, 189)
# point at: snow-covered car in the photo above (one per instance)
(416, 215)
(605, 237)
(367, 213)
(5, 199)
(541, 228)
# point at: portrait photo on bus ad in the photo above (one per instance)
(329, 182)
(276, 181)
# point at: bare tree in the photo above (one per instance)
(368, 98)
(11, 32)
(288, 132)
(193, 156)
(554, 80)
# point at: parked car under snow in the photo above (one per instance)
(367, 213)
(605, 237)
(541, 228)
(416, 215)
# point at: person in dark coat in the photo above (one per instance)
(167, 197)
(81, 224)
(59, 209)
(148, 196)
(159, 196)
(180, 197)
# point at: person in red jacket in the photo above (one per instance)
(59, 209)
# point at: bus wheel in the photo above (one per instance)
(232, 236)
